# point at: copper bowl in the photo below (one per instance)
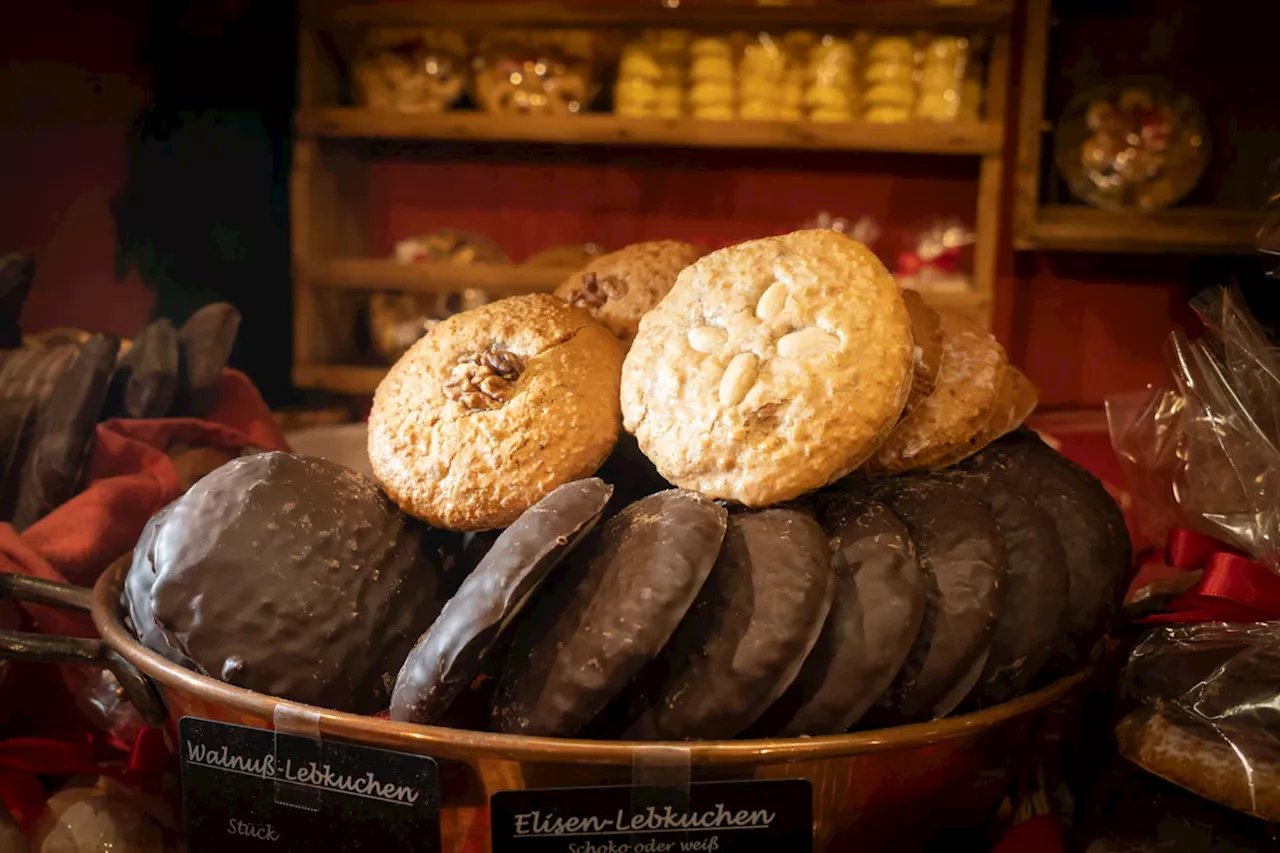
(893, 787)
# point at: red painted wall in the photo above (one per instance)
(71, 86)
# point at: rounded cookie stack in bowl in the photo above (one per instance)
(757, 492)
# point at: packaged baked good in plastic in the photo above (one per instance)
(651, 75)
(1135, 145)
(934, 263)
(820, 81)
(941, 77)
(863, 229)
(410, 70)
(1204, 457)
(397, 320)
(890, 74)
(711, 90)
(535, 72)
(762, 78)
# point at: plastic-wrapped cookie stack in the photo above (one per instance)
(711, 94)
(941, 78)
(651, 76)
(889, 79)
(410, 70)
(829, 90)
(762, 77)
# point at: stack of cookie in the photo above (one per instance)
(733, 564)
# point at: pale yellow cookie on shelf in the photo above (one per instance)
(772, 368)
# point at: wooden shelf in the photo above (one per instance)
(1188, 230)
(968, 138)
(381, 274)
(651, 13)
(358, 380)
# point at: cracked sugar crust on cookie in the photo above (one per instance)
(771, 368)
(617, 289)
(961, 403)
(494, 409)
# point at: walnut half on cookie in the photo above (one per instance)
(493, 410)
(771, 368)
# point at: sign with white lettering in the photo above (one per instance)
(246, 789)
(711, 816)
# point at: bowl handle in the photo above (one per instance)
(40, 648)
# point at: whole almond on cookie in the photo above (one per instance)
(961, 403)
(617, 289)
(493, 410)
(771, 368)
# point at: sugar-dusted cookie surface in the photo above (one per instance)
(771, 368)
(947, 423)
(619, 288)
(493, 409)
(926, 330)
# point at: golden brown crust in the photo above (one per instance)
(771, 368)
(1202, 762)
(494, 409)
(949, 420)
(926, 331)
(621, 287)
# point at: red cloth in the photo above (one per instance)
(130, 478)
(1232, 588)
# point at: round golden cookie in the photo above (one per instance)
(926, 331)
(617, 289)
(964, 394)
(496, 407)
(771, 368)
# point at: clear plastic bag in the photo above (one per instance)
(1202, 456)
(1208, 718)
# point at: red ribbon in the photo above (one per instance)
(24, 760)
(1232, 588)
(910, 263)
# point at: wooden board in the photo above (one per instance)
(1188, 230)
(473, 15)
(920, 137)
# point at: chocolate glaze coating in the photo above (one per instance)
(206, 340)
(145, 381)
(1090, 527)
(607, 617)
(450, 655)
(744, 640)
(1034, 603)
(137, 594)
(874, 619)
(298, 578)
(959, 545)
(63, 430)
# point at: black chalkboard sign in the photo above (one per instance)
(725, 817)
(246, 789)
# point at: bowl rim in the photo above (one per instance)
(450, 743)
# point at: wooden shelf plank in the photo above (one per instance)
(1191, 230)
(652, 13)
(967, 138)
(383, 274)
